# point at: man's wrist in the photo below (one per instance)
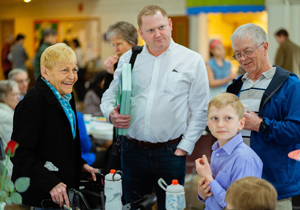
(262, 125)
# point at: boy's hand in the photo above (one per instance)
(203, 168)
(204, 189)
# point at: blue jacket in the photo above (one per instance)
(85, 142)
(280, 107)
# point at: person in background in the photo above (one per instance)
(79, 85)
(218, 69)
(94, 94)
(273, 116)
(251, 193)
(231, 158)
(21, 77)
(6, 63)
(46, 128)
(9, 98)
(168, 108)
(288, 53)
(49, 38)
(93, 158)
(122, 36)
(18, 53)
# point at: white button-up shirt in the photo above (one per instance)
(169, 96)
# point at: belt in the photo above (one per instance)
(150, 145)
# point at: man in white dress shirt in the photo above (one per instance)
(169, 99)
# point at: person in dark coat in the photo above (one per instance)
(46, 128)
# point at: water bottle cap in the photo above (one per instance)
(174, 182)
(112, 171)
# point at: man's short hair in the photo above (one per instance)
(19, 37)
(282, 32)
(251, 193)
(224, 99)
(250, 30)
(58, 53)
(150, 10)
(12, 74)
(123, 30)
(49, 31)
(6, 86)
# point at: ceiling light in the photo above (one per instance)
(27, 1)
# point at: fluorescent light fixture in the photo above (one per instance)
(27, 1)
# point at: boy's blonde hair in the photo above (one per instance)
(57, 53)
(150, 10)
(225, 99)
(251, 193)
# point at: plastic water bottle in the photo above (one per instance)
(175, 196)
(113, 190)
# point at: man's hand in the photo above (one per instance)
(203, 189)
(91, 170)
(203, 168)
(119, 120)
(110, 62)
(180, 152)
(59, 194)
(252, 121)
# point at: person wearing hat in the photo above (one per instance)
(218, 69)
(49, 38)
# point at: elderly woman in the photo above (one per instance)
(122, 36)
(9, 98)
(46, 129)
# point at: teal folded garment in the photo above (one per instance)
(124, 93)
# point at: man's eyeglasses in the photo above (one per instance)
(246, 54)
(117, 45)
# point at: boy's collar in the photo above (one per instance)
(230, 145)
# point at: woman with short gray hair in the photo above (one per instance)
(9, 98)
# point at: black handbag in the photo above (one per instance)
(114, 151)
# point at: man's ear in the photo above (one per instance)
(170, 24)
(44, 73)
(140, 32)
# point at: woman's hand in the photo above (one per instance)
(110, 62)
(59, 195)
(91, 170)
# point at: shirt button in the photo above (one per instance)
(217, 154)
(146, 134)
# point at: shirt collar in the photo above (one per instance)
(67, 97)
(230, 145)
(267, 74)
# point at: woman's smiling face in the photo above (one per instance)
(62, 77)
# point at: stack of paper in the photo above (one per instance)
(124, 93)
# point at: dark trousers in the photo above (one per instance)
(142, 167)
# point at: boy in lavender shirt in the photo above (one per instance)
(231, 158)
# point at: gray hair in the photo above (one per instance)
(250, 30)
(123, 30)
(12, 74)
(6, 86)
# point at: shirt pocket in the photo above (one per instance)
(172, 83)
(223, 178)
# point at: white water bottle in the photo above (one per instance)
(175, 196)
(113, 190)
